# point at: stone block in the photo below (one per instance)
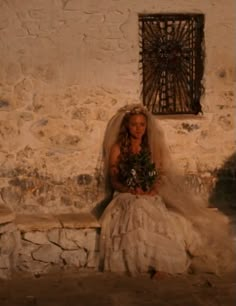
(36, 237)
(28, 264)
(9, 242)
(82, 238)
(27, 248)
(77, 236)
(54, 235)
(76, 258)
(48, 253)
(61, 238)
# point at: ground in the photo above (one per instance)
(109, 289)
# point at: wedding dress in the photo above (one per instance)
(140, 234)
(173, 232)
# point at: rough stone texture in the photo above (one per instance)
(76, 258)
(36, 237)
(86, 238)
(10, 244)
(65, 248)
(66, 67)
(59, 237)
(49, 253)
(36, 244)
(25, 261)
(27, 264)
(28, 247)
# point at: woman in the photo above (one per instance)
(152, 224)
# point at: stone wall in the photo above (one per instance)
(38, 244)
(67, 66)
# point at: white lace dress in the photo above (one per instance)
(140, 234)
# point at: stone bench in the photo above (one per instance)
(43, 242)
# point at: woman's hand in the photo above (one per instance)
(139, 191)
(152, 192)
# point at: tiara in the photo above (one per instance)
(136, 109)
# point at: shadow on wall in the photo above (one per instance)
(223, 195)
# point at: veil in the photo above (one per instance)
(214, 227)
(159, 150)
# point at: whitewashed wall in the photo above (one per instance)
(67, 66)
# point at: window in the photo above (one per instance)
(171, 60)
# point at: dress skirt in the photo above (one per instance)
(140, 234)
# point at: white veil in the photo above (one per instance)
(214, 227)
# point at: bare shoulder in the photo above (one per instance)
(115, 149)
(114, 153)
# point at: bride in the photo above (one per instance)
(152, 222)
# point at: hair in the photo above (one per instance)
(123, 138)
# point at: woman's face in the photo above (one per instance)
(137, 126)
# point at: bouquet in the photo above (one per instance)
(137, 170)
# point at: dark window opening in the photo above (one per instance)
(171, 58)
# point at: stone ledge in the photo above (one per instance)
(6, 215)
(44, 222)
(78, 220)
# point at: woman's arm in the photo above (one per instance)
(113, 169)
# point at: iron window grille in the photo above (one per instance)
(171, 59)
